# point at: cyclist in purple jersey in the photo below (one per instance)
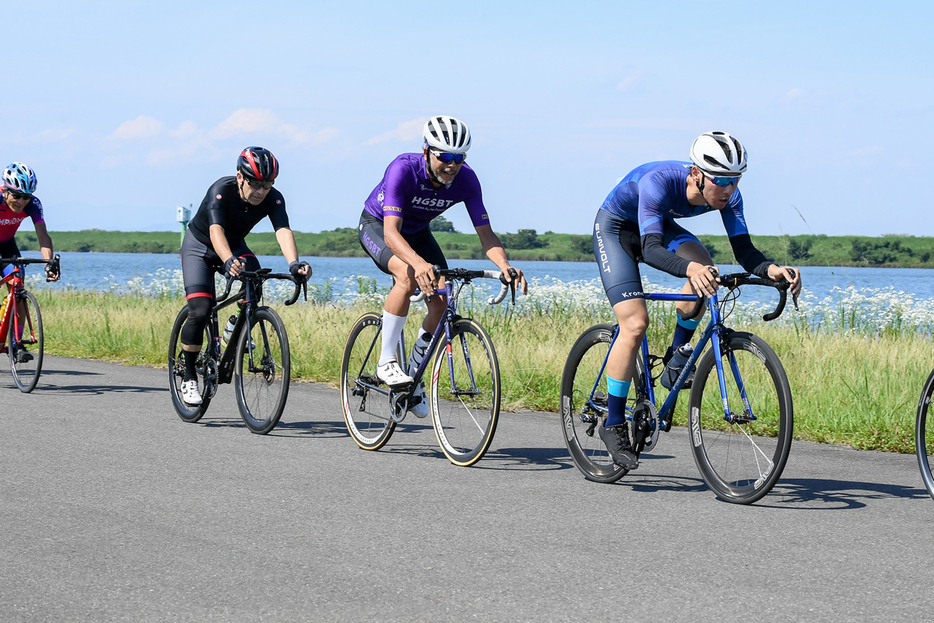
(636, 223)
(394, 231)
(18, 185)
(215, 242)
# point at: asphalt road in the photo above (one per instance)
(113, 509)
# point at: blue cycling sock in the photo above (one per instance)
(684, 331)
(616, 401)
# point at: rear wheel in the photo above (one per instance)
(364, 398)
(584, 403)
(206, 369)
(263, 370)
(741, 459)
(25, 342)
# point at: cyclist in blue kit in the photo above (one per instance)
(394, 231)
(215, 242)
(636, 223)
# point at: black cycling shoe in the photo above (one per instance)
(22, 355)
(617, 443)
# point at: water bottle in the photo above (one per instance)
(228, 331)
(418, 352)
(673, 369)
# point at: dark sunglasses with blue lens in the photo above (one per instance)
(448, 158)
(724, 181)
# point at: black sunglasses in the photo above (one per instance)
(256, 185)
(20, 196)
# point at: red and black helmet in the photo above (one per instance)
(256, 163)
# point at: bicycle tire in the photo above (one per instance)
(364, 400)
(584, 404)
(741, 461)
(177, 370)
(924, 435)
(26, 373)
(465, 406)
(262, 382)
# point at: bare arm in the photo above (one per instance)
(286, 240)
(497, 254)
(222, 248)
(45, 241)
(45, 247)
(392, 234)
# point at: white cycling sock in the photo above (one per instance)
(392, 331)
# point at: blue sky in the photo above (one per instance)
(129, 109)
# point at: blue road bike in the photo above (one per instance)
(740, 413)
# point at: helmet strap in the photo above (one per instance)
(431, 174)
(703, 182)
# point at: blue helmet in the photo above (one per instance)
(19, 178)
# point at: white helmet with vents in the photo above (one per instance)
(718, 153)
(447, 134)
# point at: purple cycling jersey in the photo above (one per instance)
(657, 191)
(405, 191)
(10, 220)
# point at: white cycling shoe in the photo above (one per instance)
(421, 409)
(391, 374)
(190, 393)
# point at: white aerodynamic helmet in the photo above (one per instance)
(447, 134)
(718, 153)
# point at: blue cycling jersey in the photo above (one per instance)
(657, 191)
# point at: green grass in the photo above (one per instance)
(858, 390)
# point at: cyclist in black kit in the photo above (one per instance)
(215, 243)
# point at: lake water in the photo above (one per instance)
(106, 271)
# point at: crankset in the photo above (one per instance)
(645, 426)
(399, 403)
(210, 377)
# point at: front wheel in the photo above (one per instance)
(741, 459)
(206, 370)
(364, 399)
(25, 342)
(262, 371)
(924, 435)
(465, 393)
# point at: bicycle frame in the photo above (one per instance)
(444, 326)
(225, 358)
(15, 281)
(714, 327)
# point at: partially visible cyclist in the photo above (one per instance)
(18, 185)
(394, 231)
(215, 242)
(636, 223)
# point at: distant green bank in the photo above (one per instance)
(891, 251)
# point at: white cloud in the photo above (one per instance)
(246, 120)
(186, 129)
(325, 135)
(141, 127)
(793, 94)
(405, 131)
(629, 81)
